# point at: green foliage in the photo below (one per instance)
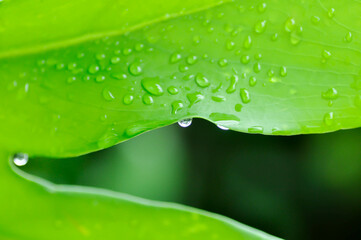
(75, 83)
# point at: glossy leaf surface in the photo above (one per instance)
(271, 67)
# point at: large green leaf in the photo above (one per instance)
(272, 67)
(36, 209)
(80, 76)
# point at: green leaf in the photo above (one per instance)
(41, 210)
(245, 65)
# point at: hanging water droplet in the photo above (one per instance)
(185, 122)
(222, 127)
(20, 159)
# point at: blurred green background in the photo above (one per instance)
(301, 187)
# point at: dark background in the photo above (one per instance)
(300, 187)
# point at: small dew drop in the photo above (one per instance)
(260, 26)
(247, 42)
(290, 25)
(177, 106)
(315, 19)
(128, 99)
(245, 96)
(283, 71)
(331, 12)
(93, 69)
(192, 59)
(185, 122)
(328, 119)
(252, 81)
(175, 57)
(245, 59)
(202, 81)
(173, 90)
(108, 95)
(20, 159)
(100, 78)
(115, 60)
(222, 62)
(147, 99)
(348, 37)
(135, 69)
(238, 107)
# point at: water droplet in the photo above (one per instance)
(71, 79)
(262, 7)
(290, 24)
(119, 76)
(331, 13)
(238, 107)
(252, 81)
(100, 56)
(128, 99)
(20, 159)
(139, 47)
(152, 86)
(175, 57)
(230, 45)
(196, 40)
(233, 84)
(177, 106)
(258, 56)
(326, 54)
(247, 42)
(260, 26)
(173, 90)
(222, 62)
(147, 99)
(315, 19)
(93, 69)
(115, 60)
(222, 127)
(257, 67)
(218, 98)
(255, 129)
(283, 71)
(330, 94)
(183, 68)
(245, 96)
(135, 69)
(100, 78)
(194, 98)
(192, 59)
(108, 95)
(328, 119)
(202, 81)
(245, 59)
(185, 122)
(127, 51)
(274, 37)
(348, 37)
